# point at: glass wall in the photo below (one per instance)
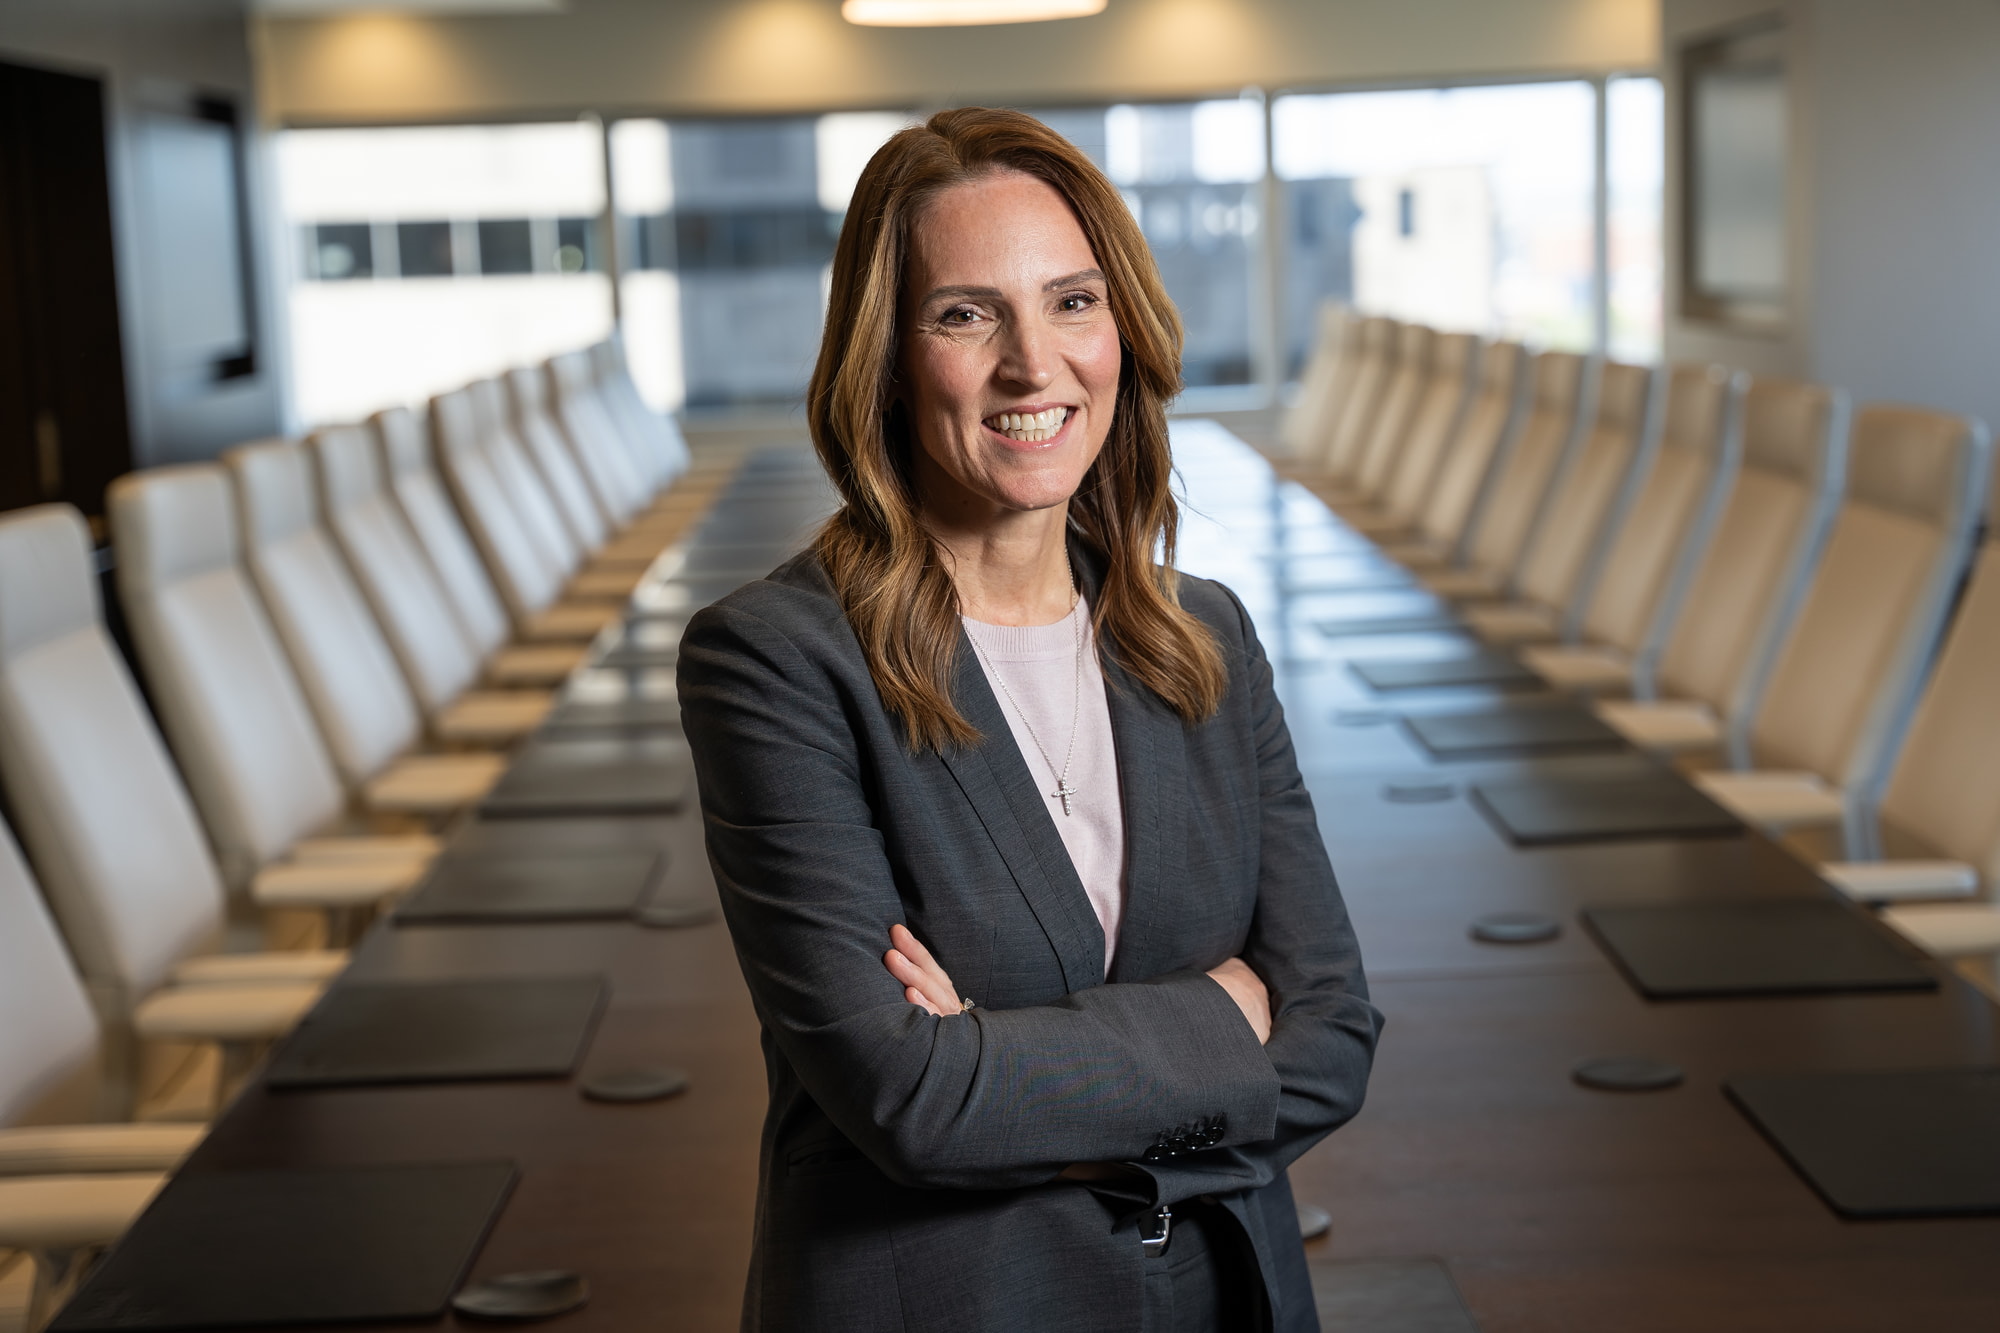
(1465, 208)
(428, 257)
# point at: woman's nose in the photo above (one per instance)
(1029, 358)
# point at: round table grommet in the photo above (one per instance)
(1515, 928)
(634, 1085)
(1627, 1073)
(520, 1297)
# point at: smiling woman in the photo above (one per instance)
(981, 742)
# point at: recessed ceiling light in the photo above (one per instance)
(959, 13)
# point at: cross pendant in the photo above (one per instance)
(1063, 792)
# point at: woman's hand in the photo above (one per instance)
(1247, 989)
(924, 982)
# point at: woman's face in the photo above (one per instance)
(1009, 360)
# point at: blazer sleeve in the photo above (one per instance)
(1323, 1028)
(992, 1099)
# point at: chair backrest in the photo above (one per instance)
(1320, 383)
(1679, 498)
(351, 679)
(531, 499)
(623, 470)
(654, 432)
(1842, 688)
(1358, 405)
(1485, 434)
(1562, 399)
(92, 790)
(420, 497)
(549, 450)
(1946, 783)
(1589, 501)
(1401, 396)
(48, 1044)
(240, 725)
(1745, 590)
(389, 566)
(525, 579)
(1434, 425)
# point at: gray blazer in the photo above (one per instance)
(908, 1167)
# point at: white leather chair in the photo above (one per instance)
(651, 433)
(1449, 389)
(1655, 548)
(1322, 380)
(528, 581)
(357, 693)
(1449, 513)
(1945, 790)
(625, 470)
(526, 490)
(114, 837)
(527, 392)
(1746, 588)
(1562, 401)
(1565, 551)
(438, 658)
(1817, 745)
(68, 1187)
(1354, 414)
(434, 522)
(1388, 429)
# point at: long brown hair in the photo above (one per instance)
(885, 567)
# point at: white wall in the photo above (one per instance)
(793, 55)
(1894, 195)
(154, 52)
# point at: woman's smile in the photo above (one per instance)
(1031, 427)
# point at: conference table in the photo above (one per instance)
(1482, 1186)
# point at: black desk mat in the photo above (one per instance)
(440, 1031)
(529, 887)
(1893, 1143)
(633, 714)
(1535, 812)
(1524, 729)
(328, 1245)
(1420, 623)
(595, 774)
(1772, 946)
(1481, 668)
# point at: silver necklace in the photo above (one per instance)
(1063, 792)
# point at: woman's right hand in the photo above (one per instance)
(1247, 989)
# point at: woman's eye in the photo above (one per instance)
(961, 317)
(1076, 301)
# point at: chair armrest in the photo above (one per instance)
(68, 1150)
(259, 969)
(1886, 881)
(68, 1212)
(435, 784)
(334, 883)
(1579, 666)
(224, 1013)
(1949, 932)
(1661, 725)
(391, 847)
(1774, 799)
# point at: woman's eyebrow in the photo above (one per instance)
(995, 294)
(1071, 280)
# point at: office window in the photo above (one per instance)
(1635, 154)
(728, 227)
(480, 243)
(1466, 208)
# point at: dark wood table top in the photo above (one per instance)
(1554, 1207)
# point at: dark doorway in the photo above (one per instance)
(63, 428)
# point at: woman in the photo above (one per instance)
(1053, 974)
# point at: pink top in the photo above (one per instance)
(1033, 670)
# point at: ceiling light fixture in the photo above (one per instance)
(960, 13)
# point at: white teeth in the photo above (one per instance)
(1030, 427)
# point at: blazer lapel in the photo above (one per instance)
(995, 779)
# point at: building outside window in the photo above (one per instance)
(428, 257)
